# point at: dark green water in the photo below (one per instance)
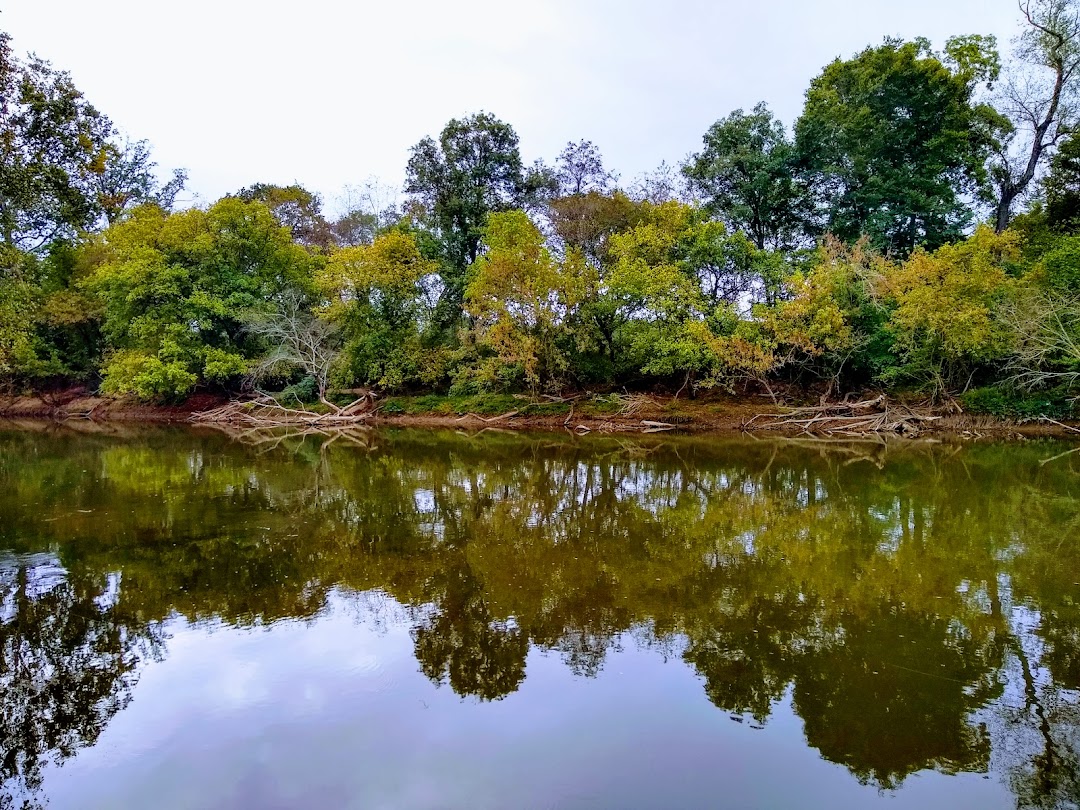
(429, 620)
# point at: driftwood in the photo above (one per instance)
(1060, 424)
(656, 427)
(265, 412)
(868, 416)
(488, 419)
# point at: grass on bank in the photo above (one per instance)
(596, 406)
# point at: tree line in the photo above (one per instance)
(917, 229)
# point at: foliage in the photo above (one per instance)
(831, 320)
(473, 170)
(586, 222)
(176, 291)
(161, 376)
(1062, 188)
(52, 149)
(520, 297)
(295, 208)
(945, 322)
(127, 180)
(1004, 403)
(378, 295)
(747, 174)
(18, 308)
(893, 143)
(844, 255)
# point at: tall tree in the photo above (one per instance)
(472, 170)
(580, 169)
(1040, 98)
(894, 144)
(376, 294)
(747, 177)
(521, 297)
(52, 147)
(127, 179)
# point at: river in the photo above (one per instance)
(419, 619)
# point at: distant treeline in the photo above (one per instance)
(917, 230)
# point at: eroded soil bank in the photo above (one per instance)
(713, 413)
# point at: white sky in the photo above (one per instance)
(328, 93)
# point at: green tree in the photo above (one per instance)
(748, 178)
(377, 293)
(586, 224)
(668, 324)
(19, 307)
(52, 150)
(893, 144)
(474, 169)
(177, 290)
(1062, 188)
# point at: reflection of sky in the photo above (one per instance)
(43, 572)
(335, 713)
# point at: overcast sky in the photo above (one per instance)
(328, 93)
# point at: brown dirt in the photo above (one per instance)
(77, 403)
(712, 415)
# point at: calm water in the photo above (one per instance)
(427, 620)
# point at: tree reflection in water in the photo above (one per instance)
(918, 603)
(67, 665)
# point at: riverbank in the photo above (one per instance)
(613, 413)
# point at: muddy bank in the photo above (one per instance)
(79, 404)
(712, 415)
(962, 426)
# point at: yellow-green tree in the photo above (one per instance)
(830, 322)
(377, 293)
(176, 291)
(677, 283)
(521, 296)
(946, 308)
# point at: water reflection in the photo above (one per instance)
(918, 605)
(68, 663)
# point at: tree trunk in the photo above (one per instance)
(1003, 215)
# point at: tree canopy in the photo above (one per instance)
(893, 143)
